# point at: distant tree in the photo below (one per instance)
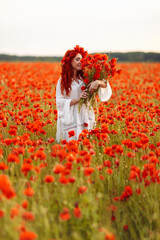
(122, 57)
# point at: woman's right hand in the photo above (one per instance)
(83, 94)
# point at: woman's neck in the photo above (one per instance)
(74, 74)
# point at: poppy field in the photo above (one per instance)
(104, 186)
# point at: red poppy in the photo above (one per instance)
(77, 212)
(27, 235)
(13, 158)
(126, 194)
(26, 167)
(88, 171)
(108, 150)
(12, 132)
(1, 213)
(109, 171)
(25, 204)
(63, 142)
(31, 149)
(107, 163)
(86, 80)
(96, 76)
(71, 157)
(83, 88)
(28, 216)
(72, 179)
(3, 166)
(85, 124)
(125, 227)
(1, 152)
(59, 168)
(82, 189)
(40, 154)
(49, 178)
(65, 215)
(109, 236)
(61, 154)
(63, 179)
(6, 187)
(14, 212)
(71, 133)
(29, 192)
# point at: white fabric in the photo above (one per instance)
(69, 117)
(105, 93)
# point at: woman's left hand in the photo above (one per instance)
(93, 86)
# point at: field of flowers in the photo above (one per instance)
(106, 185)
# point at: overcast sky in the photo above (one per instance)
(49, 27)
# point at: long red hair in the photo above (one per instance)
(66, 70)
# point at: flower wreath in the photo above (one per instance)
(77, 49)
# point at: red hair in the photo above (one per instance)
(67, 72)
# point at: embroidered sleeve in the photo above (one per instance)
(65, 111)
(105, 93)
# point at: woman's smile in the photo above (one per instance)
(76, 62)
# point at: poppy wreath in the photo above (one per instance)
(77, 49)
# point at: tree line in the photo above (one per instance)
(122, 57)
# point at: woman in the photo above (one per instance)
(68, 94)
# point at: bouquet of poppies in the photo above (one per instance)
(96, 67)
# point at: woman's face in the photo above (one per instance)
(76, 62)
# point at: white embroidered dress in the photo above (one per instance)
(69, 117)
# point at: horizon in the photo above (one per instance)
(18, 55)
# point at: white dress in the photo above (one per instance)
(69, 117)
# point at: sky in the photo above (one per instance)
(50, 28)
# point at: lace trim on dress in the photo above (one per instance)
(90, 118)
(74, 126)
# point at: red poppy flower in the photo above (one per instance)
(29, 192)
(88, 171)
(1, 213)
(107, 163)
(27, 235)
(109, 171)
(82, 189)
(12, 132)
(96, 76)
(14, 212)
(71, 133)
(72, 179)
(3, 166)
(40, 154)
(109, 236)
(49, 178)
(28, 216)
(59, 168)
(63, 179)
(6, 187)
(86, 80)
(85, 124)
(77, 212)
(1, 152)
(26, 167)
(125, 227)
(65, 215)
(25, 204)
(126, 194)
(13, 158)
(83, 88)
